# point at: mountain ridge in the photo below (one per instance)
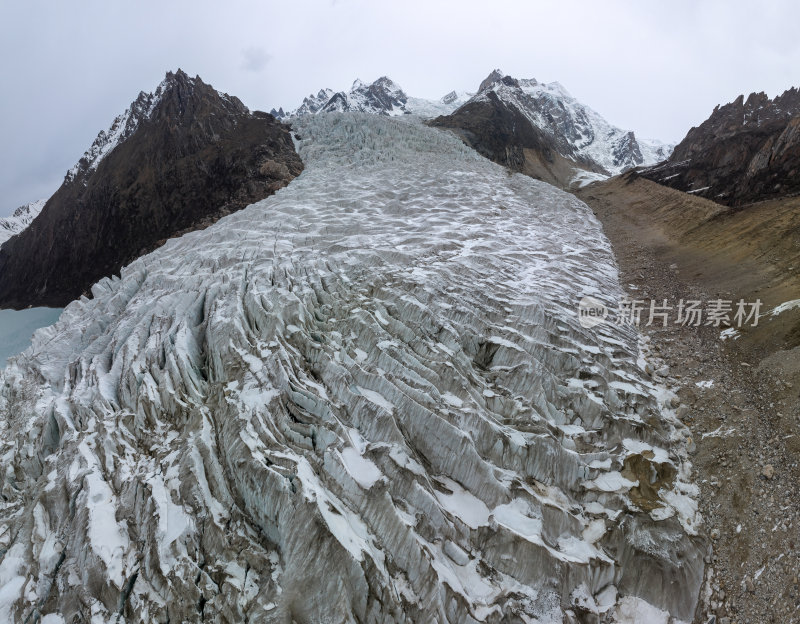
(177, 159)
(540, 129)
(747, 150)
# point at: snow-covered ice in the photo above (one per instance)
(366, 398)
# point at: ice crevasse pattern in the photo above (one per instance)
(365, 399)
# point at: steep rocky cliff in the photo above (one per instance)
(541, 130)
(176, 160)
(747, 150)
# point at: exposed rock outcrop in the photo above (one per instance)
(176, 160)
(541, 130)
(20, 219)
(746, 151)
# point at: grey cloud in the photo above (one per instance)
(255, 59)
(656, 68)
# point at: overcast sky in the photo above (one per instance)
(68, 68)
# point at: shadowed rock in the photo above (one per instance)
(177, 160)
(746, 151)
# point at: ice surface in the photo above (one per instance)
(352, 401)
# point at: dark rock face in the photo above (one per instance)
(746, 151)
(177, 160)
(541, 130)
(497, 131)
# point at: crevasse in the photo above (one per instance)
(365, 399)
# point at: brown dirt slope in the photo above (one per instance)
(746, 426)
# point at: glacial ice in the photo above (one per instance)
(364, 399)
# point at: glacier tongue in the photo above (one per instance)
(365, 399)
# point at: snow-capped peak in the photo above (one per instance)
(22, 218)
(578, 132)
(121, 128)
(382, 97)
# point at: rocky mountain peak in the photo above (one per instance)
(178, 98)
(178, 158)
(541, 129)
(755, 111)
(495, 76)
(747, 150)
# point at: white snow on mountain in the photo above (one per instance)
(579, 133)
(654, 151)
(20, 219)
(382, 97)
(577, 129)
(366, 398)
(17, 328)
(121, 129)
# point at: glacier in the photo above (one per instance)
(367, 398)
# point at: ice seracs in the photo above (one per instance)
(366, 398)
